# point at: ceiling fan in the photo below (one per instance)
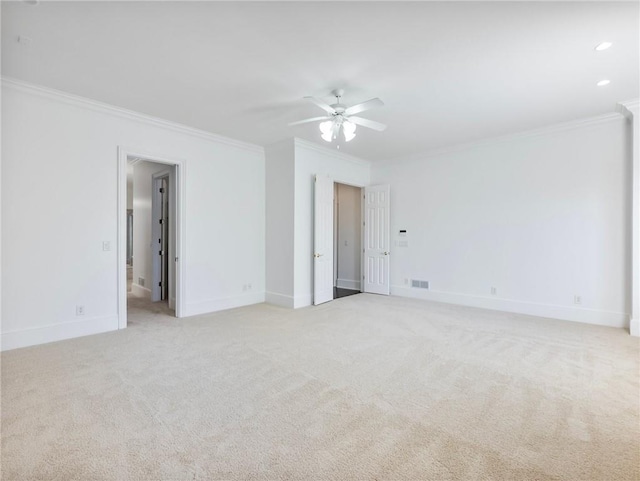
(340, 116)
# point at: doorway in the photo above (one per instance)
(374, 247)
(153, 230)
(347, 240)
(150, 237)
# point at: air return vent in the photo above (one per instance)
(141, 281)
(419, 284)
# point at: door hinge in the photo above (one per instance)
(160, 253)
(160, 221)
(160, 284)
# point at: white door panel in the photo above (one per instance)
(323, 240)
(376, 239)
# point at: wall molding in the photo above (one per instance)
(348, 284)
(139, 291)
(304, 300)
(306, 144)
(564, 313)
(525, 134)
(214, 305)
(84, 102)
(278, 299)
(627, 106)
(58, 332)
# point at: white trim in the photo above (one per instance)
(214, 305)
(348, 284)
(305, 144)
(548, 130)
(181, 234)
(278, 299)
(57, 332)
(634, 327)
(565, 313)
(626, 105)
(631, 110)
(95, 105)
(139, 291)
(304, 300)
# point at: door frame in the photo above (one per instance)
(340, 180)
(124, 153)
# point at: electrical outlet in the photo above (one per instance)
(577, 299)
(406, 280)
(244, 287)
(79, 310)
(494, 291)
(106, 246)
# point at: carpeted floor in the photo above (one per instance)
(362, 388)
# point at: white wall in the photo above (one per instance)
(280, 222)
(541, 218)
(59, 199)
(349, 232)
(309, 161)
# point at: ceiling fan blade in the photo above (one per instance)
(313, 119)
(323, 105)
(371, 124)
(369, 104)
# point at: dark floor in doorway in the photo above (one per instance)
(339, 292)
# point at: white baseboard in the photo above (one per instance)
(348, 284)
(290, 302)
(565, 313)
(57, 332)
(214, 305)
(278, 299)
(302, 301)
(634, 327)
(139, 291)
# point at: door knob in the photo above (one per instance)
(385, 253)
(317, 255)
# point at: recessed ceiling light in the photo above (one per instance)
(604, 82)
(603, 46)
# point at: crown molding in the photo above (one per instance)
(540, 132)
(628, 108)
(83, 102)
(306, 144)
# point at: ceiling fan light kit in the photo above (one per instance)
(340, 117)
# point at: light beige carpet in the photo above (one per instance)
(363, 388)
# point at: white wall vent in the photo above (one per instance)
(419, 284)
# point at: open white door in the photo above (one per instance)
(376, 239)
(323, 240)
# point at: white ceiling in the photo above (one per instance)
(449, 73)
